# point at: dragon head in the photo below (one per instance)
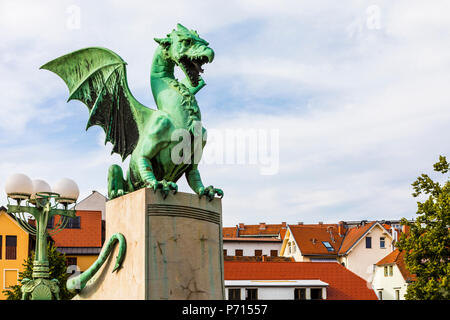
(187, 50)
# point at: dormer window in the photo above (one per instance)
(328, 246)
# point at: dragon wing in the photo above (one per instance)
(97, 77)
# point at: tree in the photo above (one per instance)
(57, 270)
(427, 244)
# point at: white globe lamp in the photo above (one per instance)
(18, 186)
(68, 191)
(40, 187)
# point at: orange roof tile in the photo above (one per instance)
(229, 232)
(397, 257)
(353, 235)
(258, 229)
(309, 238)
(343, 284)
(261, 230)
(88, 235)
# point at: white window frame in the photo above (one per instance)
(4, 277)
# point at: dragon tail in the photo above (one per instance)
(77, 283)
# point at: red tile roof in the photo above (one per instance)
(88, 235)
(343, 284)
(229, 232)
(353, 235)
(397, 257)
(309, 238)
(261, 230)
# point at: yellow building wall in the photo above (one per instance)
(84, 261)
(9, 269)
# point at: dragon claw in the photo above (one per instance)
(165, 187)
(210, 192)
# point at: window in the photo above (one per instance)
(224, 252)
(380, 295)
(289, 247)
(258, 253)
(1, 246)
(397, 294)
(234, 294)
(328, 246)
(299, 294)
(239, 252)
(74, 223)
(274, 253)
(391, 270)
(11, 248)
(368, 242)
(252, 294)
(385, 271)
(11, 277)
(382, 243)
(316, 293)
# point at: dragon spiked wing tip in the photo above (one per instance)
(97, 77)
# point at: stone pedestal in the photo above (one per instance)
(174, 249)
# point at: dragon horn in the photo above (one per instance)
(163, 41)
(180, 27)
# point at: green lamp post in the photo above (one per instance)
(39, 200)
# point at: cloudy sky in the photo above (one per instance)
(353, 97)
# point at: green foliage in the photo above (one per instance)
(57, 270)
(427, 246)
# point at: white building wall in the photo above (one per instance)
(292, 250)
(94, 202)
(250, 247)
(361, 260)
(389, 284)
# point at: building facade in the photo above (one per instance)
(391, 277)
(253, 240)
(15, 245)
(358, 247)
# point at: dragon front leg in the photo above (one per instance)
(195, 182)
(147, 175)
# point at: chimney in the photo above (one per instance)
(321, 222)
(241, 226)
(262, 226)
(405, 229)
(341, 228)
(300, 223)
(283, 225)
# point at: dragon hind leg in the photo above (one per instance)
(116, 184)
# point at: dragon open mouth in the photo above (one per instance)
(193, 68)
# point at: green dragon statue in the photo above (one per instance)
(97, 77)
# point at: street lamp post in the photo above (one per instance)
(43, 204)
